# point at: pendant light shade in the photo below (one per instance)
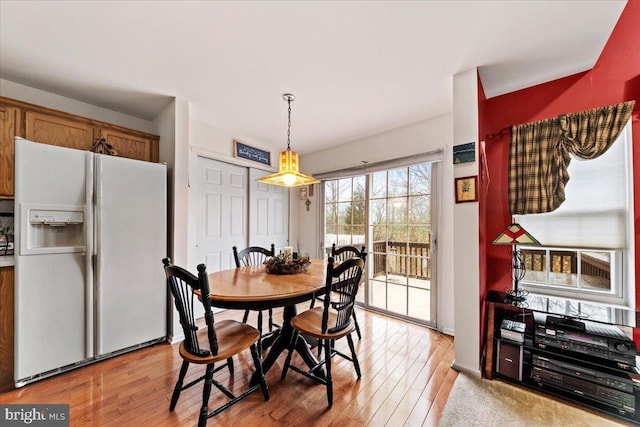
(288, 174)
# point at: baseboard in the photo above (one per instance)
(176, 338)
(448, 331)
(473, 371)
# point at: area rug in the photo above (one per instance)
(479, 402)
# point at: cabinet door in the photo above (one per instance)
(129, 145)
(8, 124)
(6, 328)
(60, 131)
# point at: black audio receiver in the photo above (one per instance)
(607, 342)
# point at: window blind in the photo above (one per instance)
(596, 211)
(429, 157)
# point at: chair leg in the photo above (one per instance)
(355, 322)
(287, 362)
(245, 317)
(270, 320)
(206, 393)
(320, 343)
(259, 344)
(258, 364)
(230, 365)
(356, 364)
(178, 388)
(327, 364)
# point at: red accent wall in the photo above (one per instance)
(615, 78)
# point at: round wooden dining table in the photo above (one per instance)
(254, 289)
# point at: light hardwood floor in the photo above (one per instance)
(406, 379)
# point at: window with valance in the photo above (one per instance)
(541, 152)
(570, 186)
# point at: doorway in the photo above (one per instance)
(391, 213)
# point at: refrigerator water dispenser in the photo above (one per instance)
(52, 230)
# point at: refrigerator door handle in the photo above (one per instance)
(89, 257)
(97, 258)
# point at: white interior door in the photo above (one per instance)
(268, 213)
(221, 203)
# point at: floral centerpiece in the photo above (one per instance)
(285, 264)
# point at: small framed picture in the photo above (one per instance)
(466, 189)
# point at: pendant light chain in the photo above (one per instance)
(288, 174)
(289, 127)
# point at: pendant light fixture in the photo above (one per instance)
(288, 174)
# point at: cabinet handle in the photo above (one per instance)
(508, 360)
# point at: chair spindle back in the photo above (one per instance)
(182, 285)
(253, 255)
(343, 253)
(343, 280)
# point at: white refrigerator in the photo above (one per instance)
(90, 238)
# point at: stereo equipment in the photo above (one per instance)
(607, 342)
(612, 381)
(509, 360)
(620, 400)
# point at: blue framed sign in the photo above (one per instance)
(245, 151)
(464, 153)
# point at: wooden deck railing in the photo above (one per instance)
(412, 259)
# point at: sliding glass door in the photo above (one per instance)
(390, 212)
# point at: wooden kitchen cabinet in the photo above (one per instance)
(132, 146)
(6, 328)
(60, 131)
(9, 122)
(54, 127)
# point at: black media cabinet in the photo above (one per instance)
(593, 364)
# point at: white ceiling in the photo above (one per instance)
(356, 68)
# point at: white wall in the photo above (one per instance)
(416, 138)
(41, 98)
(466, 256)
(172, 126)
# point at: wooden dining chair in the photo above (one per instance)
(344, 253)
(216, 342)
(341, 254)
(330, 322)
(255, 255)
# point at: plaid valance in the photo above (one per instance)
(540, 154)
